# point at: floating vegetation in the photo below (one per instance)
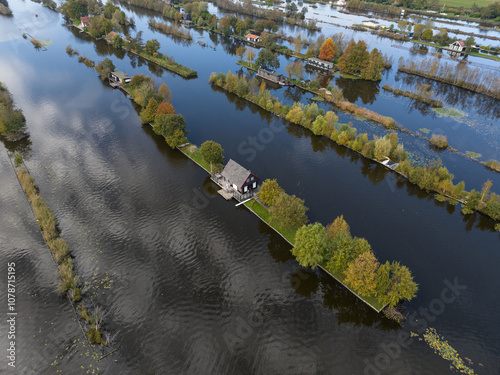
(493, 164)
(446, 351)
(497, 227)
(317, 98)
(449, 112)
(425, 130)
(46, 42)
(473, 155)
(440, 198)
(439, 141)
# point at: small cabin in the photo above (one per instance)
(318, 63)
(341, 3)
(186, 19)
(371, 24)
(271, 75)
(458, 46)
(252, 38)
(240, 179)
(85, 21)
(121, 77)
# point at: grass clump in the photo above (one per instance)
(439, 141)
(493, 164)
(449, 112)
(473, 155)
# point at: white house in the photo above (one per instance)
(458, 46)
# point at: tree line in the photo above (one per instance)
(4, 8)
(432, 177)
(12, 120)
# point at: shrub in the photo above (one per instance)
(439, 141)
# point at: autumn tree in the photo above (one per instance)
(165, 108)
(418, 30)
(355, 57)
(148, 114)
(297, 43)
(269, 191)
(240, 51)
(267, 59)
(288, 211)
(164, 91)
(152, 46)
(327, 50)
(361, 275)
(99, 26)
(374, 67)
(339, 225)
(310, 243)
(400, 284)
(212, 152)
(427, 34)
(250, 55)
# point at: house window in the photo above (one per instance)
(254, 185)
(245, 189)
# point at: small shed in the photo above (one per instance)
(85, 21)
(371, 23)
(271, 75)
(318, 63)
(121, 77)
(458, 46)
(252, 38)
(239, 178)
(186, 19)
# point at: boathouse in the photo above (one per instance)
(252, 38)
(121, 77)
(321, 64)
(458, 46)
(371, 24)
(85, 21)
(235, 177)
(271, 75)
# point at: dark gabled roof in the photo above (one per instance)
(270, 71)
(235, 173)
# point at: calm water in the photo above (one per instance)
(192, 284)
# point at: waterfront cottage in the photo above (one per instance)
(458, 46)
(238, 178)
(252, 38)
(271, 75)
(318, 63)
(371, 23)
(85, 21)
(121, 77)
(186, 19)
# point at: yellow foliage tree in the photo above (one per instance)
(327, 50)
(361, 275)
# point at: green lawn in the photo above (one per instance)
(264, 214)
(465, 3)
(194, 153)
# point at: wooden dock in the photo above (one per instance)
(227, 195)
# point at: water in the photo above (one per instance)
(192, 284)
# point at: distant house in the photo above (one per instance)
(341, 3)
(458, 46)
(252, 38)
(85, 21)
(321, 64)
(110, 36)
(121, 77)
(238, 178)
(271, 75)
(371, 23)
(186, 19)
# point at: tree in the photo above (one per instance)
(327, 50)
(427, 34)
(310, 242)
(240, 51)
(355, 57)
(402, 25)
(267, 59)
(240, 27)
(12, 122)
(75, 9)
(148, 114)
(339, 225)
(99, 26)
(117, 41)
(361, 275)
(400, 285)
(269, 191)
(469, 41)
(165, 108)
(152, 46)
(418, 30)
(288, 211)
(172, 127)
(212, 152)
(374, 67)
(105, 67)
(250, 55)
(297, 43)
(164, 91)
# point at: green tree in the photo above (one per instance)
(418, 30)
(469, 41)
(402, 25)
(117, 41)
(269, 191)
(250, 55)
(105, 67)
(355, 57)
(99, 26)
(75, 9)
(172, 127)
(288, 211)
(12, 122)
(427, 34)
(401, 285)
(374, 67)
(267, 59)
(212, 152)
(240, 51)
(327, 50)
(310, 242)
(148, 114)
(361, 275)
(152, 46)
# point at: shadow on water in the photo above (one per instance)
(22, 146)
(355, 89)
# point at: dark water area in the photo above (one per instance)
(192, 284)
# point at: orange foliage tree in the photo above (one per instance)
(165, 108)
(327, 50)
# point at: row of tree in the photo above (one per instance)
(12, 120)
(106, 17)
(433, 177)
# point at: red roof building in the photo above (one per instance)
(85, 21)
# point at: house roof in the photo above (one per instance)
(461, 43)
(270, 71)
(84, 19)
(120, 74)
(235, 173)
(253, 36)
(316, 60)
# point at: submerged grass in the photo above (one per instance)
(449, 112)
(473, 154)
